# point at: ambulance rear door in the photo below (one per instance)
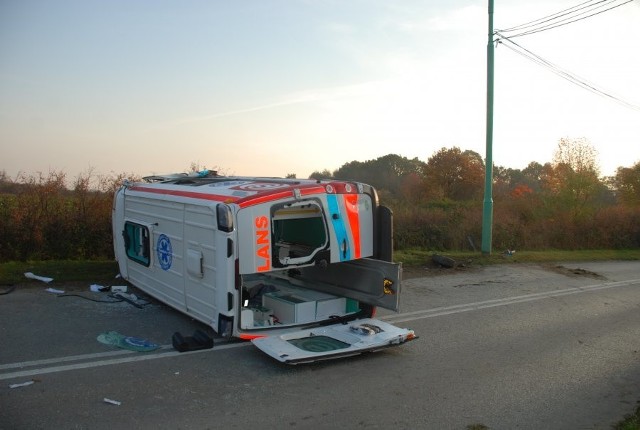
(333, 341)
(371, 281)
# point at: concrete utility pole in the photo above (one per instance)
(487, 208)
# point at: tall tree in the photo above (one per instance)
(535, 175)
(388, 173)
(579, 154)
(453, 174)
(325, 174)
(627, 184)
(573, 182)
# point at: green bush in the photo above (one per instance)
(41, 219)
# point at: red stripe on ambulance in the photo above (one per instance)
(351, 205)
(189, 194)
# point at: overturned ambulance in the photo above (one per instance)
(296, 266)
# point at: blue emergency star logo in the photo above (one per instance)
(163, 249)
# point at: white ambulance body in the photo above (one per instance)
(295, 266)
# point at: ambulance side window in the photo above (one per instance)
(136, 242)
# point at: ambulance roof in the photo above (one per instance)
(243, 191)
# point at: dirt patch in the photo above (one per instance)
(432, 268)
(577, 272)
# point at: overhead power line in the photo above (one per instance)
(564, 17)
(548, 18)
(567, 16)
(581, 82)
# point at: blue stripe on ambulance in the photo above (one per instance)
(339, 228)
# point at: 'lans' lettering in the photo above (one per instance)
(262, 243)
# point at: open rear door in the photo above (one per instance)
(370, 281)
(334, 341)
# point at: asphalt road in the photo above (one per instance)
(508, 347)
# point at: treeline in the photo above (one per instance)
(563, 204)
(437, 205)
(42, 218)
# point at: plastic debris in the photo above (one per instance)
(37, 277)
(130, 298)
(113, 402)
(97, 288)
(23, 384)
(54, 291)
(127, 342)
(119, 289)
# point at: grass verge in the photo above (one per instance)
(420, 257)
(630, 422)
(12, 272)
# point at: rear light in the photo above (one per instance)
(225, 218)
(244, 336)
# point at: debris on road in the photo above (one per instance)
(127, 342)
(98, 288)
(23, 384)
(54, 291)
(131, 298)
(8, 290)
(37, 277)
(444, 261)
(199, 340)
(113, 402)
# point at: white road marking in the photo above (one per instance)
(101, 359)
(24, 364)
(89, 364)
(455, 309)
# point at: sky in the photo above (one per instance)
(277, 87)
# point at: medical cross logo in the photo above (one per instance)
(163, 249)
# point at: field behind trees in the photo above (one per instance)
(437, 205)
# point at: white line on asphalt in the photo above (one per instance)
(90, 364)
(409, 316)
(436, 312)
(23, 364)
